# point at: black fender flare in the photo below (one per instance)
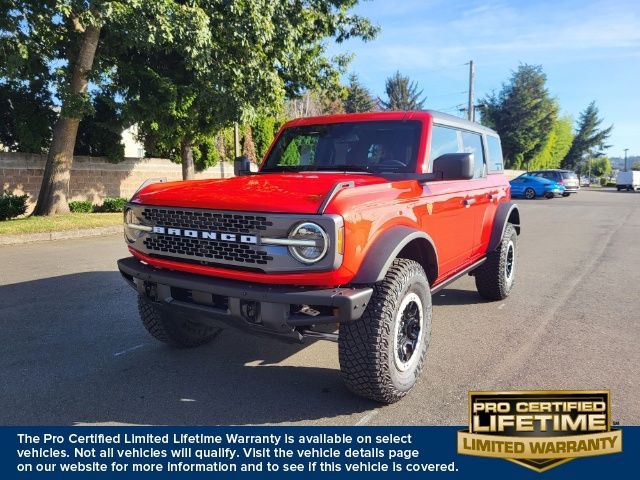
(508, 212)
(384, 251)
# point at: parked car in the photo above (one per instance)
(564, 177)
(585, 181)
(629, 181)
(531, 187)
(352, 222)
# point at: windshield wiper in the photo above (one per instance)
(340, 168)
(284, 168)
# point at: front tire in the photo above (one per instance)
(173, 329)
(496, 276)
(382, 353)
(529, 194)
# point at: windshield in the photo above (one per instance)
(377, 147)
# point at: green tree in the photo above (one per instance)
(523, 113)
(234, 60)
(61, 44)
(100, 131)
(264, 129)
(589, 136)
(55, 42)
(402, 94)
(635, 166)
(600, 167)
(358, 97)
(26, 116)
(556, 146)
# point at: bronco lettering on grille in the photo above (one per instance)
(225, 237)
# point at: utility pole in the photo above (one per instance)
(471, 113)
(625, 159)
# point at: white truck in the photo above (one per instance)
(628, 181)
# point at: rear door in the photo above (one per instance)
(481, 190)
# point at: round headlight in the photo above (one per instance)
(314, 242)
(130, 218)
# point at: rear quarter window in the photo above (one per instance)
(495, 163)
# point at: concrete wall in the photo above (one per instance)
(93, 178)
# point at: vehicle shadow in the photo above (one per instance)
(455, 296)
(76, 352)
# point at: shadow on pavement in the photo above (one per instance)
(74, 351)
(455, 296)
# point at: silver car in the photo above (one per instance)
(564, 177)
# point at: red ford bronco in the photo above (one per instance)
(352, 221)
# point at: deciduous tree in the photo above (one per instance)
(240, 58)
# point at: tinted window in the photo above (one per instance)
(494, 162)
(386, 146)
(443, 140)
(472, 143)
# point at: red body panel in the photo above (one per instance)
(460, 234)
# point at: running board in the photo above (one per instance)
(457, 276)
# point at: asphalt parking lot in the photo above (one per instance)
(74, 351)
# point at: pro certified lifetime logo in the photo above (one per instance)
(539, 429)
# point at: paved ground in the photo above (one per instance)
(74, 351)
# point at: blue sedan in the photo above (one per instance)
(531, 187)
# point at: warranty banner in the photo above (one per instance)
(539, 429)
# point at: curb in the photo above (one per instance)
(62, 235)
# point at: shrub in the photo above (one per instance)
(12, 206)
(603, 181)
(111, 205)
(81, 206)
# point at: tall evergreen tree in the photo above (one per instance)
(523, 113)
(402, 94)
(588, 137)
(358, 97)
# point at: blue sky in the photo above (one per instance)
(590, 50)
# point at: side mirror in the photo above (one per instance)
(241, 166)
(454, 166)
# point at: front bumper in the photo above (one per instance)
(277, 310)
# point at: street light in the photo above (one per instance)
(625, 159)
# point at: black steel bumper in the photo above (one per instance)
(277, 310)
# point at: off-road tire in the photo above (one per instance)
(174, 329)
(493, 280)
(367, 346)
(529, 193)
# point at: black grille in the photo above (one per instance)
(206, 249)
(202, 220)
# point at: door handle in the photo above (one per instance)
(492, 197)
(468, 202)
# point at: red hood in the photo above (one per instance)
(273, 192)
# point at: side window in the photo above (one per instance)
(443, 140)
(472, 143)
(495, 163)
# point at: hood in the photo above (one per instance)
(269, 192)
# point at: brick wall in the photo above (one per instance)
(93, 178)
